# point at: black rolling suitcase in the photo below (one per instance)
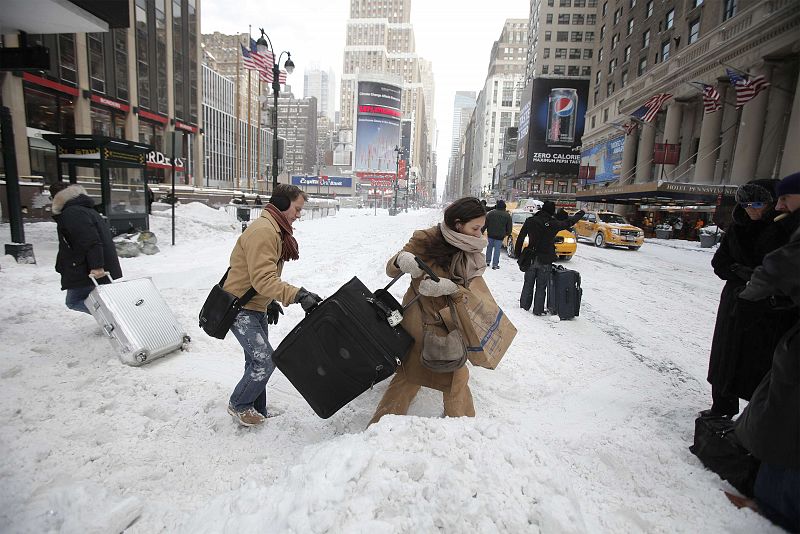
(564, 292)
(344, 346)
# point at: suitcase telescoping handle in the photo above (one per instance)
(105, 274)
(423, 266)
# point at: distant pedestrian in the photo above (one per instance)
(85, 244)
(257, 201)
(498, 227)
(541, 230)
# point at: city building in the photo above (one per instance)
(561, 39)
(321, 84)
(137, 83)
(497, 106)
(297, 124)
(380, 43)
(463, 104)
(675, 48)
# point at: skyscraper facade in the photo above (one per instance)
(321, 84)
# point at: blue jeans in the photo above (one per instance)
(537, 275)
(493, 249)
(75, 298)
(776, 491)
(250, 329)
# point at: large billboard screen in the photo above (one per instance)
(377, 127)
(555, 121)
(606, 158)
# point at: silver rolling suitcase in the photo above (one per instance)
(136, 319)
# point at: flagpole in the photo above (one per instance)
(258, 134)
(249, 98)
(237, 127)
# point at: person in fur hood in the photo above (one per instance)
(85, 246)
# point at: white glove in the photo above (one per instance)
(405, 262)
(443, 287)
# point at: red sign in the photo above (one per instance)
(402, 170)
(666, 153)
(44, 82)
(152, 116)
(110, 103)
(380, 110)
(185, 127)
(587, 172)
(377, 179)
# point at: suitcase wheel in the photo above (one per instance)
(141, 357)
(185, 344)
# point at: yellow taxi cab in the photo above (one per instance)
(565, 241)
(605, 229)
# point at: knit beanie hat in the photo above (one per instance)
(501, 205)
(789, 185)
(756, 191)
(549, 206)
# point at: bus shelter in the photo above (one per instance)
(120, 165)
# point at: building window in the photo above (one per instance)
(646, 39)
(161, 57)
(551, 3)
(587, 53)
(573, 70)
(602, 32)
(545, 69)
(697, 3)
(624, 78)
(578, 19)
(694, 31)
(605, 8)
(617, 16)
(142, 62)
(562, 36)
(546, 54)
(612, 65)
(574, 53)
(54, 112)
(559, 69)
(593, 121)
(576, 37)
(563, 19)
(664, 51)
(549, 18)
(670, 19)
(614, 41)
(596, 96)
(600, 56)
(561, 53)
(66, 56)
(626, 56)
(649, 8)
(633, 3)
(178, 59)
(586, 71)
(728, 9)
(630, 27)
(589, 37)
(597, 76)
(565, 3)
(548, 36)
(605, 115)
(107, 122)
(97, 70)
(591, 20)
(121, 63)
(579, 3)
(642, 66)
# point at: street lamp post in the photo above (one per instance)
(264, 45)
(399, 151)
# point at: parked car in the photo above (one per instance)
(605, 229)
(565, 241)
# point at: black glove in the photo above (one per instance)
(273, 310)
(307, 299)
(742, 271)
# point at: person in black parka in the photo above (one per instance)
(85, 246)
(746, 333)
(769, 426)
(541, 230)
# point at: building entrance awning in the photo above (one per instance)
(660, 194)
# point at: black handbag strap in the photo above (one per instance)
(249, 294)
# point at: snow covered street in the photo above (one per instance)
(584, 426)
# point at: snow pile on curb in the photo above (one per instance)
(194, 221)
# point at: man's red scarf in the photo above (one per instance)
(290, 249)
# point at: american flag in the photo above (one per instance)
(247, 59)
(746, 89)
(263, 63)
(629, 127)
(651, 107)
(711, 99)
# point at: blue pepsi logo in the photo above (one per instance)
(563, 107)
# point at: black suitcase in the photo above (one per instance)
(564, 292)
(344, 346)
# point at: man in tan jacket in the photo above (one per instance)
(257, 261)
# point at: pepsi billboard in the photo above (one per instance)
(552, 116)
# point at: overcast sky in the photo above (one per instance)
(456, 35)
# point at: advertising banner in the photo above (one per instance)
(553, 123)
(332, 181)
(377, 127)
(606, 158)
(521, 165)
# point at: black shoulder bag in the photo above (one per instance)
(221, 308)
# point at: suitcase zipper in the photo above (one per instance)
(385, 356)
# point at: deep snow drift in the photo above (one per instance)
(584, 427)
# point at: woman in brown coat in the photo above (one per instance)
(453, 249)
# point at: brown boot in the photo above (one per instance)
(248, 417)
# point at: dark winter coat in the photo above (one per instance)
(541, 230)
(84, 239)
(746, 333)
(770, 425)
(498, 224)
